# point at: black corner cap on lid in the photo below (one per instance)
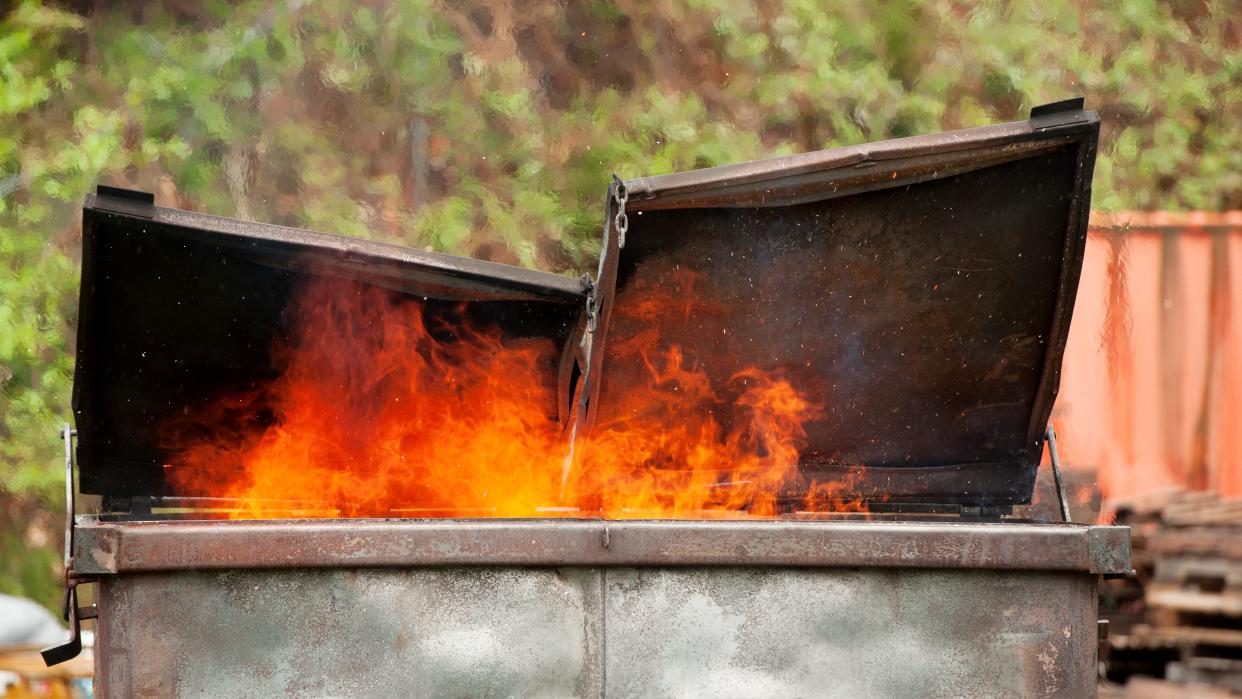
(1070, 105)
(124, 201)
(104, 190)
(176, 306)
(919, 290)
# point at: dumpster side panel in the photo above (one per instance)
(476, 632)
(753, 632)
(559, 632)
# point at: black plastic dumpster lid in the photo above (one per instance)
(920, 289)
(175, 305)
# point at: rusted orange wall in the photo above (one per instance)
(1151, 386)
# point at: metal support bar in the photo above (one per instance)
(1051, 435)
(72, 612)
(67, 434)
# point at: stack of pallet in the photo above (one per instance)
(1180, 618)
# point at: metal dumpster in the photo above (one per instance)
(919, 290)
(574, 608)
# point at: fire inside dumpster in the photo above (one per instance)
(377, 413)
(875, 328)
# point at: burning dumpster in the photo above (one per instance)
(773, 448)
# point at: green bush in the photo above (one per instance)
(490, 129)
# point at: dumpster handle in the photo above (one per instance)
(72, 612)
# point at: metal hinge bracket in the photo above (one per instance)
(71, 612)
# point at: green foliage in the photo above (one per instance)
(491, 129)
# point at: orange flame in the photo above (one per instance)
(379, 411)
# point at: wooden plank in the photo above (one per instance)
(1149, 688)
(1201, 571)
(1204, 541)
(1166, 596)
(1223, 673)
(1223, 512)
(1172, 352)
(1145, 636)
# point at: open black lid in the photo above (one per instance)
(175, 305)
(919, 289)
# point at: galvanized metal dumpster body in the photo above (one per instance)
(597, 609)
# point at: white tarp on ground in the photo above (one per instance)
(25, 623)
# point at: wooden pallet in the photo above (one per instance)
(1148, 688)
(1186, 623)
(1206, 586)
(1215, 512)
(1153, 505)
(1191, 601)
(1219, 672)
(1204, 541)
(1147, 636)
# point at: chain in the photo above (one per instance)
(591, 310)
(620, 222)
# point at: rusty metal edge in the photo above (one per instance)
(105, 548)
(1110, 549)
(878, 164)
(1073, 252)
